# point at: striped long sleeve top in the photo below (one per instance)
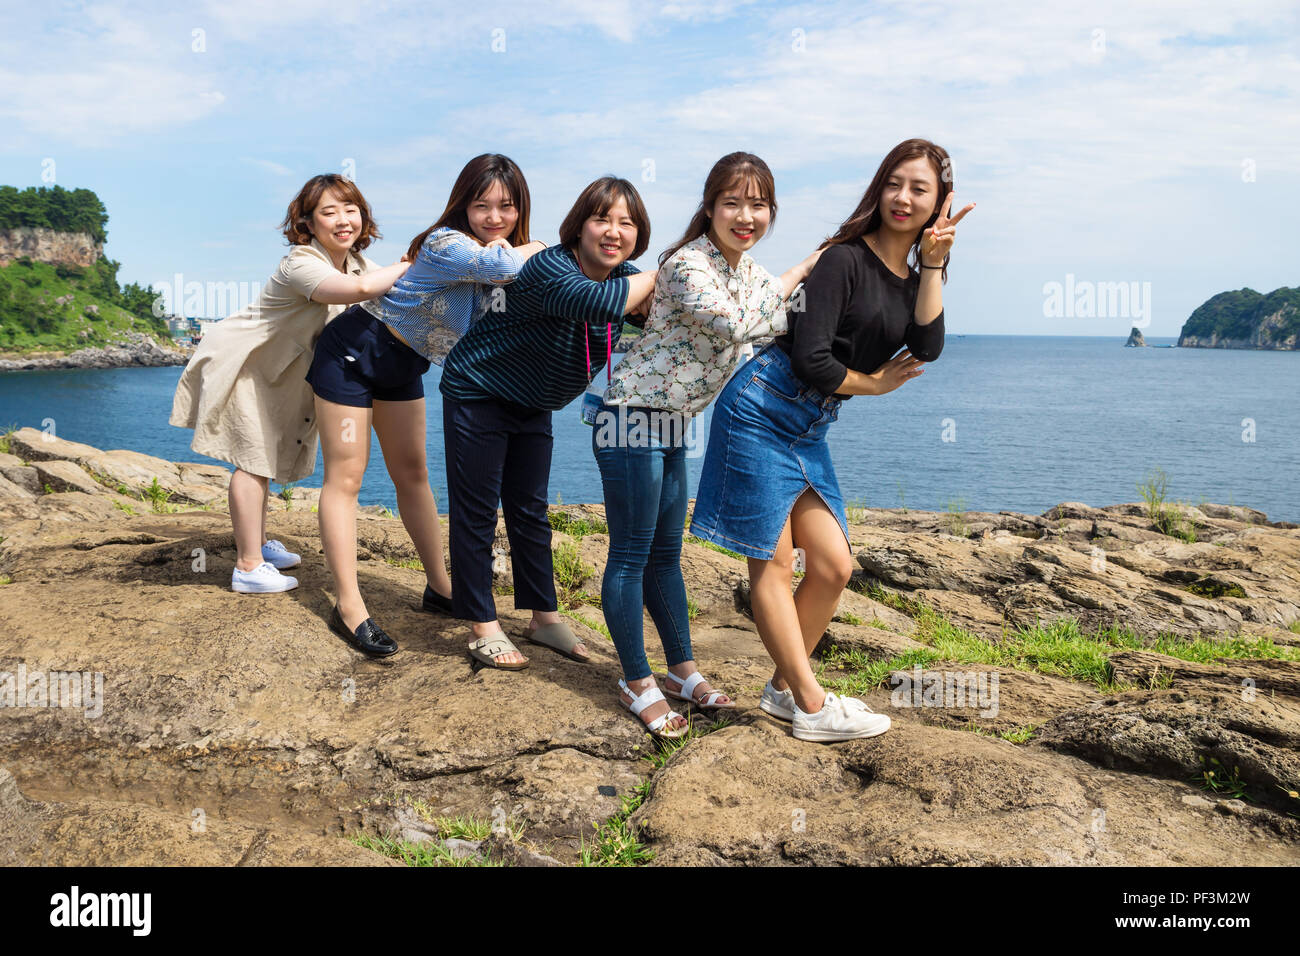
(447, 289)
(533, 351)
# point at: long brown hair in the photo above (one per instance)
(596, 200)
(474, 180)
(866, 218)
(297, 221)
(730, 170)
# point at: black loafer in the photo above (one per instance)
(368, 638)
(436, 603)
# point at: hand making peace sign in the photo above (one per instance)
(938, 239)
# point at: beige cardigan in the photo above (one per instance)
(244, 391)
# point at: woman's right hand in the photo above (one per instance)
(896, 371)
(499, 241)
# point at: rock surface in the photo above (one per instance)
(239, 730)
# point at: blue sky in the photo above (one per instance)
(1155, 142)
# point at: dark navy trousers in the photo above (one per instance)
(498, 452)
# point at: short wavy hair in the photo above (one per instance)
(297, 221)
(596, 200)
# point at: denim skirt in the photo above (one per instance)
(767, 446)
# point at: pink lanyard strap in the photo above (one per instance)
(609, 349)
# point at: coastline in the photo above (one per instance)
(139, 351)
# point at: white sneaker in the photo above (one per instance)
(780, 703)
(279, 556)
(838, 720)
(263, 579)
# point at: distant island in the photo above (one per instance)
(60, 302)
(1245, 319)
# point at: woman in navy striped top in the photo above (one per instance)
(499, 386)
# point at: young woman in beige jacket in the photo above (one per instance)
(244, 391)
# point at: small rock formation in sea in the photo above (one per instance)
(239, 730)
(1135, 339)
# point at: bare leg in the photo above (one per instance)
(402, 436)
(345, 443)
(828, 565)
(247, 499)
(778, 622)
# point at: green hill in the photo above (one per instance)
(55, 307)
(1245, 319)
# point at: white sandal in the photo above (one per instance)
(642, 701)
(687, 689)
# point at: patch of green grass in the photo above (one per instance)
(4, 440)
(1294, 627)
(902, 501)
(419, 854)
(848, 617)
(48, 489)
(122, 506)
(286, 495)
(870, 587)
(415, 564)
(576, 527)
(956, 519)
(386, 512)
(597, 626)
(571, 572)
(1058, 648)
(614, 843)
(1018, 735)
(1154, 489)
(1210, 588)
(1217, 779)
(692, 609)
(878, 624)
(157, 496)
(718, 548)
(591, 600)
(856, 511)
(6, 579)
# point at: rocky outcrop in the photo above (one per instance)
(1135, 339)
(49, 245)
(1245, 319)
(234, 729)
(136, 349)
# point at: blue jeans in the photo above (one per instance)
(645, 507)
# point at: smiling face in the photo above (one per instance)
(909, 197)
(607, 240)
(336, 223)
(739, 218)
(493, 215)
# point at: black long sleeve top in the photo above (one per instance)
(857, 315)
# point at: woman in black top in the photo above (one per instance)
(767, 484)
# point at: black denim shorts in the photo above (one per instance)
(359, 360)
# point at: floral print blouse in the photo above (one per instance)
(703, 312)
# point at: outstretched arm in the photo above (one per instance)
(349, 289)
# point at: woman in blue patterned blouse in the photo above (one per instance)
(499, 386)
(369, 366)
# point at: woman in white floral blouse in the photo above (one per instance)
(710, 298)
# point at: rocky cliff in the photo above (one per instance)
(49, 245)
(237, 729)
(1245, 319)
(1135, 339)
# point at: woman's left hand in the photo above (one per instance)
(938, 239)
